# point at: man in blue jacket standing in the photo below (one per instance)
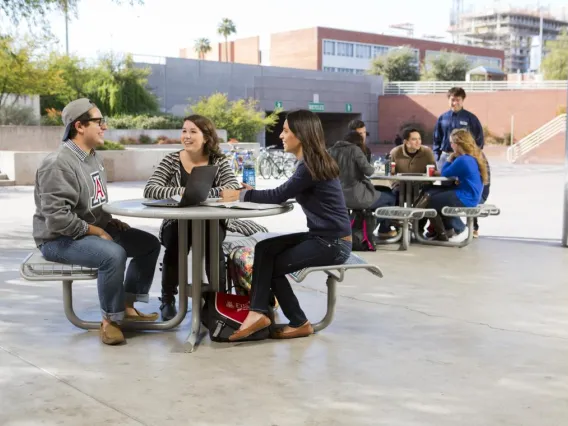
(456, 118)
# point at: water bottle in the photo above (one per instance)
(387, 165)
(249, 173)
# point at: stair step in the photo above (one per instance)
(7, 182)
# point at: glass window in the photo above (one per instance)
(363, 51)
(344, 49)
(328, 47)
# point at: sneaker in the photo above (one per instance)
(386, 235)
(111, 334)
(475, 234)
(168, 308)
(429, 235)
(462, 236)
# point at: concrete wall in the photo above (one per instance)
(136, 163)
(530, 108)
(181, 81)
(48, 138)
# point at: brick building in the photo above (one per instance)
(334, 50)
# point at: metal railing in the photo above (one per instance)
(536, 138)
(429, 87)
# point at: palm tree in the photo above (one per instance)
(202, 46)
(226, 28)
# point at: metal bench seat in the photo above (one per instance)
(470, 213)
(405, 214)
(36, 268)
(335, 274)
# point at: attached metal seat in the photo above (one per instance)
(404, 214)
(335, 274)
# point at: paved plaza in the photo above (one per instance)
(475, 336)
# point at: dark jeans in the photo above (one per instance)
(114, 288)
(171, 264)
(442, 197)
(386, 199)
(484, 197)
(278, 256)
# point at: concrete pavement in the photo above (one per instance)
(473, 336)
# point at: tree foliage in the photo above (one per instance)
(226, 28)
(397, 65)
(113, 83)
(555, 63)
(25, 71)
(448, 66)
(241, 119)
(34, 11)
(202, 46)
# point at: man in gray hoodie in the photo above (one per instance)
(70, 226)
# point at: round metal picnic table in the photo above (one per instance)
(199, 217)
(405, 193)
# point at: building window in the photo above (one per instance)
(344, 49)
(363, 51)
(380, 51)
(328, 47)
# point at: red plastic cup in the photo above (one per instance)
(430, 169)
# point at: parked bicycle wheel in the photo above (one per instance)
(277, 167)
(289, 168)
(265, 168)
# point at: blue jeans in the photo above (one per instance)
(442, 197)
(278, 256)
(110, 258)
(386, 199)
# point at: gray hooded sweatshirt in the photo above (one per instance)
(70, 191)
(354, 168)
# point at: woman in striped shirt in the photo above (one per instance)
(201, 148)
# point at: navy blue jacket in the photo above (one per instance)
(322, 201)
(449, 121)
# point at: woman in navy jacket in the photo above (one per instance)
(316, 187)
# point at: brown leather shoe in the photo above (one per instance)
(141, 317)
(111, 334)
(258, 325)
(292, 332)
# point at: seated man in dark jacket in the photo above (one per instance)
(354, 170)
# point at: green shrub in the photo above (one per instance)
(145, 122)
(128, 140)
(51, 118)
(164, 140)
(145, 140)
(110, 146)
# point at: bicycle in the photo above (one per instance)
(275, 164)
(239, 158)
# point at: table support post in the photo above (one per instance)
(196, 283)
(214, 260)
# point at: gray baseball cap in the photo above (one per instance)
(72, 111)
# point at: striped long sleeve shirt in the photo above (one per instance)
(165, 182)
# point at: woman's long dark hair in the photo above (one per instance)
(211, 147)
(356, 139)
(307, 127)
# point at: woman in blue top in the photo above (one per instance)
(467, 165)
(316, 187)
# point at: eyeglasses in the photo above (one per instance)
(101, 121)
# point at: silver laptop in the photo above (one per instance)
(199, 183)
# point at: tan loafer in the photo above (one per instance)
(292, 332)
(111, 334)
(258, 325)
(141, 316)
